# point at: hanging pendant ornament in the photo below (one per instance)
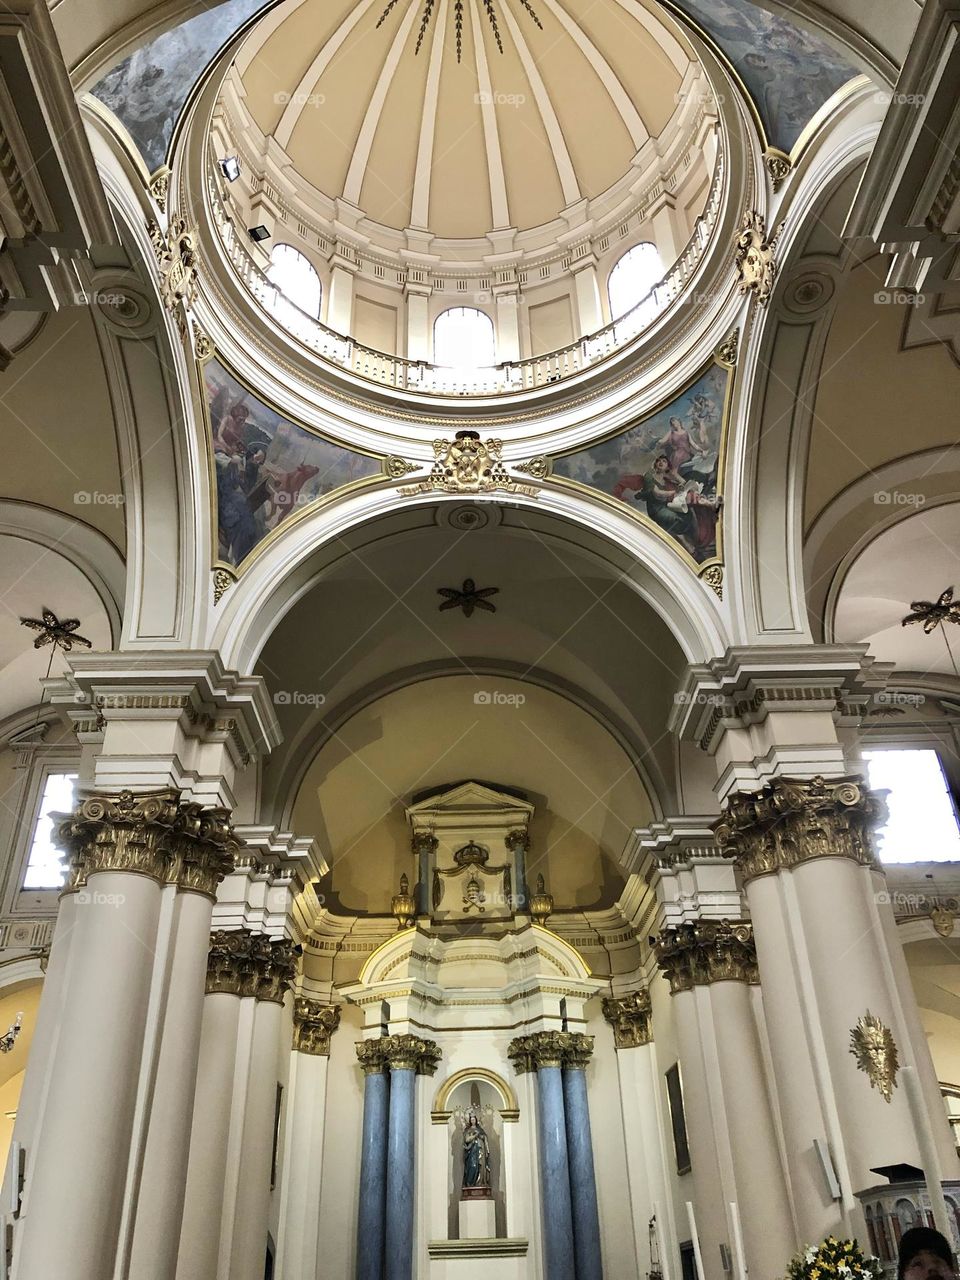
(931, 614)
(53, 631)
(490, 7)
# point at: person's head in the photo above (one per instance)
(925, 1255)
(661, 464)
(676, 424)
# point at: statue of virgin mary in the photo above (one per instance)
(476, 1157)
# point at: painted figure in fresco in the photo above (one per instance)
(476, 1155)
(679, 448)
(681, 507)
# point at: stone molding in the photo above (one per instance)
(313, 1026)
(706, 951)
(399, 1053)
(630, 1018)
(246, 964)
(570, 1049)
(792, 821)
(152, 833)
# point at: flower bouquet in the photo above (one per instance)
(834, 1260)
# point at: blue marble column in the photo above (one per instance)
(583, 1182)
(554, 1175)
(401, 1171)
(373, 1162)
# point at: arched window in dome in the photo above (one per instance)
(463, 338)
(294, 275)
(632, 278)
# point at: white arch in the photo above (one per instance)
(285, 571)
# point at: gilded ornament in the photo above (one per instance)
(247, 964)
(873, 1046)
(177, 262)
(403, 907)
(943, 921)
(728, 352)
(630, 1018)
(407, 1053)
(397, 468)
(932, 613)
(792, 821)
(202, 345)
(60, 634)
(223, 579)
(313, 1026)
(754, 256)
(778, 166)
(468, 464)
(538, 467)
(713, 577)
(371, 1057)
(701, 952)
(570, 1049)
(160, 187)
(540, 905)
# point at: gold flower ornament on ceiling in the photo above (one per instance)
(489, 7)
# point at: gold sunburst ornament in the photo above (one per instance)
(873, 1046)
(489, 6)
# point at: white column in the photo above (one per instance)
(669, 237)
(252, 1196)
(77, 1163)
(298, 1239)
(199, 1247)
(508, 325)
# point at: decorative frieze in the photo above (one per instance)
(241, 963)
(399, 1053)
(569, 1049)
(152, 833)
(313, 1026)
(705, 951)
(630, 1018)
(794, 820)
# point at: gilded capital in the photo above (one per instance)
(241, 963)
(150, 833)
(400, 1053)
(706, 951)
(794, 820)
(629, 1016)
(570, 1049)
(313, 1026)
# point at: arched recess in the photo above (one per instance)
(157, 408)
(780, 367)
(510, 1111)
(288, 567)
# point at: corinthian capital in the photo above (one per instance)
(629, 1016)
(794, 820)
(400, 1053)
(241, 963)
(706, 951)
(313, 1026)
(152, 833)
(569, 1049)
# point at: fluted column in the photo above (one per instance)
(542, 1053)
(372, 1207)
(224, 1233)
(712, 970)
(106, 1126)
(298, 1236)
(805, 851)
(646, 1137)
(583, 1180)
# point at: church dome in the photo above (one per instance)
(459, 119)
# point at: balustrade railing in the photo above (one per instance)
(508, 378)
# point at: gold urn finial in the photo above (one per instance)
(541, 902)
(403, 906)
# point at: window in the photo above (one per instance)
(295, 277)
(463, 339)
(678, 1119)
(922, 826)
(632, 278)
(44, 868)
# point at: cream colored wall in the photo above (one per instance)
(57, 425)
(934, 965)
(586, 792)
(24, 999)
